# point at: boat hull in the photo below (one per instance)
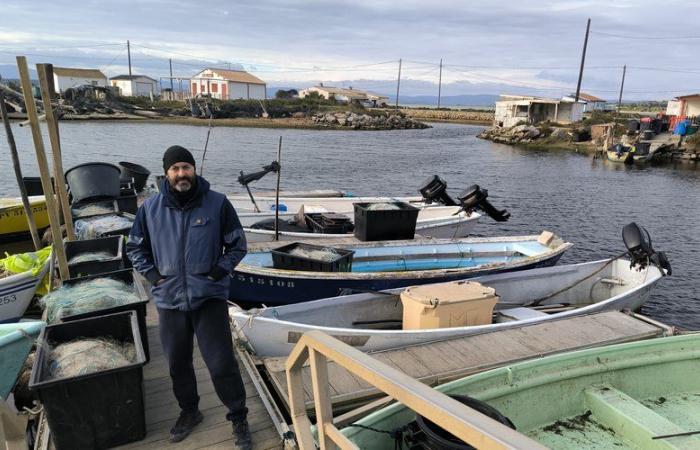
(273, 289)
(275, 334)
(16, 292)
(16, 341)
(13, 221)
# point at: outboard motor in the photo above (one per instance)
(434, 189)
(476, 198)
(641, 252)
(244, 179)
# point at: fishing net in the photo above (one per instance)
(88, 296)
(327, 254)
(91, 256)
(94, 209)
(25, 262)
(84, 356)
(94, 227)
(382, 206)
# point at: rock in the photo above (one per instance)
(341, 121)
(559, 133)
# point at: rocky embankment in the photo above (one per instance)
(526, 134)
(450, 115)
(385, 121)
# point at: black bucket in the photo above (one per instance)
(93, 181)
(136, 172)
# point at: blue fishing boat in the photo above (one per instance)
(387, 265)
(16, 340)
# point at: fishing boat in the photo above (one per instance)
(17, 291)
(13, 221)
(16, 340)
(434, 221)
(392, 264)
(639, 395)
(638, 154)
(373, 321)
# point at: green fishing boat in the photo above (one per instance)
(641, 395)
(16, 340)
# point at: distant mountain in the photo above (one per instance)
(487, 100)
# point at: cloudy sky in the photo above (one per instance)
(487, 47)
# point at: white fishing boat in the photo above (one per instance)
(16, 291)
(372, 321)
(380, 320)
(434, 221)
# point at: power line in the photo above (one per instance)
(649, 38)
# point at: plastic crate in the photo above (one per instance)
(98, 410)
(385, 224)
(281, 259)
(128, 276)
(329, 223)
(114, 245)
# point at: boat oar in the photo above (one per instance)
(666, 436)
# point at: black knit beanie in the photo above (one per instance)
(176, 154)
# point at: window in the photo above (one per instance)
(194, 88)
(215, 87)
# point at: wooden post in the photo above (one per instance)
(398, 85)
(43, 167)
(322, 401)
(18, 174)
(440, 84)
(622, 86)
(46, 85)
(277, 192)
(583, 61)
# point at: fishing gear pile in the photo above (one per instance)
(95, 227)
(33, 262)
(327, 254)
(93, 209)
(90, 257)
(84, 356)
(88, 296)
(382, 206)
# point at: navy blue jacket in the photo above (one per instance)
(188, 252)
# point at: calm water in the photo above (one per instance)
(583, 200)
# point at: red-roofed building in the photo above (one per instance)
(228, 84)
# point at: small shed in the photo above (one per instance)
(590, 102)
(228, 84)
(66, 77)
(134, 85)
(513, 109)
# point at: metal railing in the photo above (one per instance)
(467, 424)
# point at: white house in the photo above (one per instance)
(590, 102)
(345, 95)
(513, 109)
(65, 77)
(134, 85)
(228, 84)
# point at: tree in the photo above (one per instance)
(282, 94)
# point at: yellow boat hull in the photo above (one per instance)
(14, 221)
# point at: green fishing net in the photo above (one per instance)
(84, 356)
(94, 227)
(91, 256)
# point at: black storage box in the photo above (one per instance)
(329, 223)
(33, 185)
(281, 259)
(128, 276)
(114, 245)
(385, 224)
(128, 204)
(98, 410)
(119, 231)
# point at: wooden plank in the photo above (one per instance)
(438, 362)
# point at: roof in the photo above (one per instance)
(588, 97)
(239, 76)
(344, 92)
(83, 73)
(131, 77)
(524, 99)
(688, 96)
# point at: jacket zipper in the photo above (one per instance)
(184, 215)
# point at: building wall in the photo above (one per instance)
(62, 83)
(246, 91)
(142, 87)
(692, 107)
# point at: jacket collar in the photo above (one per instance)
(202, 187)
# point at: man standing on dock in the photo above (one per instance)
(186, 241)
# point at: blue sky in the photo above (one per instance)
(487, 47)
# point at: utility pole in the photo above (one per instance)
(440, 84)
(398, 85)
(583, 60)
(128, 54)
(171, 75)
(622, 86)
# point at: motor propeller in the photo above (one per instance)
(640, 249)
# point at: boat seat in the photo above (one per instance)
(632, 420)
(520, 313)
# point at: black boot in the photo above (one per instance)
(241, 435)
(185, 424)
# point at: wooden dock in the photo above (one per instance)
(439, 362)
(215, 431)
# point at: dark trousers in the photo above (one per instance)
(210, 323)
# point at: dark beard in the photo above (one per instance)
(190, 180)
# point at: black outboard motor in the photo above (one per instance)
(244, 179)
(434, 189)
(476, 198)
(638, 243)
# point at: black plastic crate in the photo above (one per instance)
(114, 245)
(385, 224)
(98, 410)
(110, 205)
(281, 259)
(128, 276)
(329, 223)
(33, 185)
(127, 203)
(118, 232)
